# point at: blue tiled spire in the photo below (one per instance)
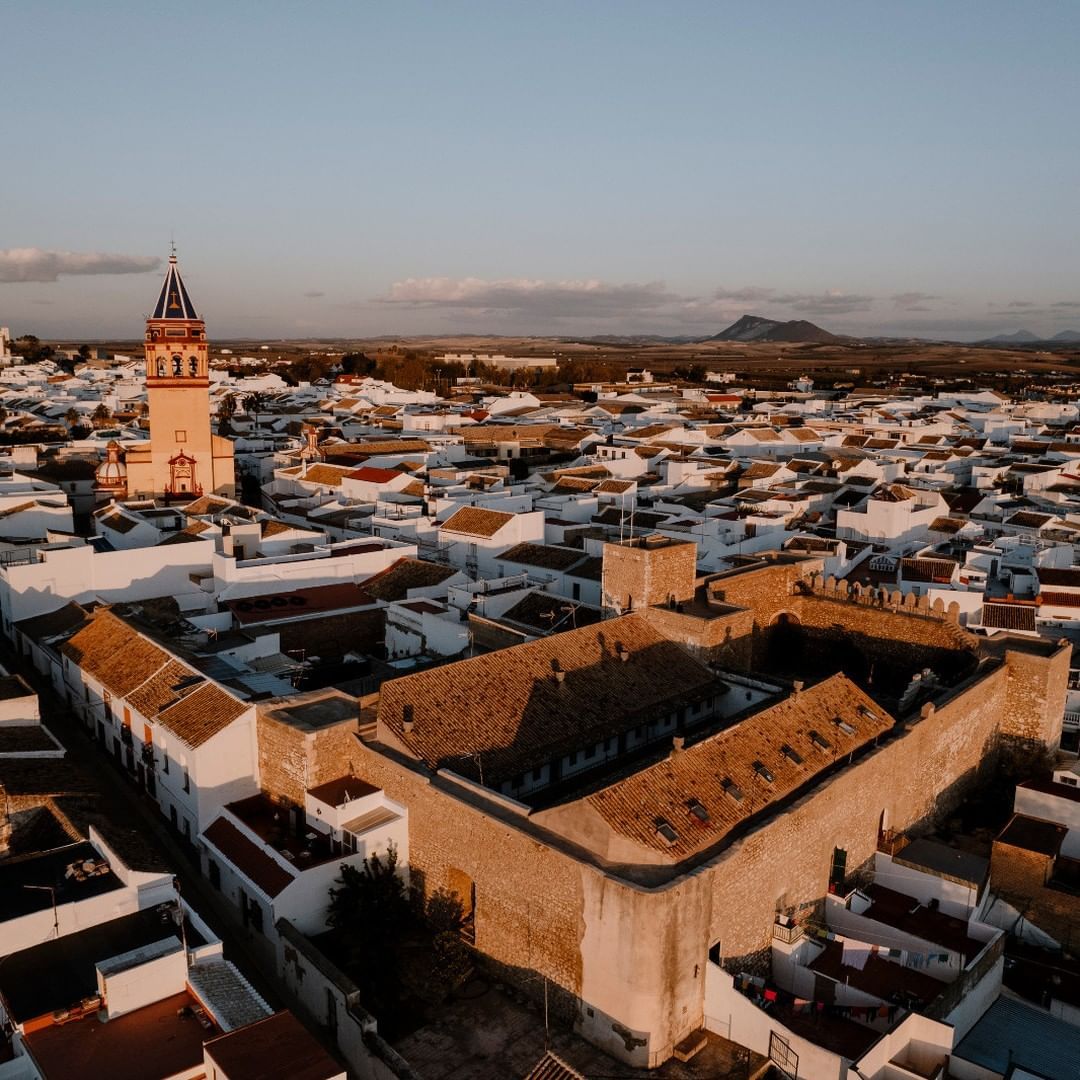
(174, 302)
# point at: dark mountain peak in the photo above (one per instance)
(758, 328)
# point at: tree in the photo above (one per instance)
(85, 351)
(73, 417)
(226, 411)
(254, 403)
(101, 415)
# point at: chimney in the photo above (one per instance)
(559, 674)
(623, 652)
(678, 743)
(796, 687)
(407, 719)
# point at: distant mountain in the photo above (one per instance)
(1020, 337)
(757, 328)
(1067, 335)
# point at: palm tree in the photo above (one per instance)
(72, 416)
(254, 403)
(101, 415)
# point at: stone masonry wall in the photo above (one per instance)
(637, 576)
(635, 956)
(1021, 877)
(291, 759)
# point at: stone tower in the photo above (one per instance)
(185, 459)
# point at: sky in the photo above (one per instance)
(359, 169)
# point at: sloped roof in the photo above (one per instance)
(254, 863)
(476, 521)
(509, 709)
(174, 302)
(714, 770)
(399, 577)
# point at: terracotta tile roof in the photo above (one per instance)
(163, 688)
(706, 790)
(577, 484)
(201, 714)
(374, 476)
(120, 523)
(326, 475)
(114, 653)
(399, 577)
(272, 527)
(206, 505)
(1062, 578)
(259, 868)
(1009, 616)
(949, 526)
(615, 487)
(509, 707)
(1059, 599)
(475, 521)
(546, 556)
(927, 570)
(1028, 519)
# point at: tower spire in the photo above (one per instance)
(173, 301)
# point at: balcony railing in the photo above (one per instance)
(787, 933)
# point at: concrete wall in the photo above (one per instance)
(1063, 810)
(732, 1015)
(329, 999)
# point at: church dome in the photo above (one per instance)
(111, 474)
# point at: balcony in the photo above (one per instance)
(787, 931)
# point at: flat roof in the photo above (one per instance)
(319, 711)
(904, 913)
(1033, 834)
(157, 1040)
(26, 883)
(56, 974)
(342, 790)
(945, 861)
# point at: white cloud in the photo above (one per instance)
(547, 299)
(36, 264)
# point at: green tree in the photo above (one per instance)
(73, 417)
(85, 351)
(226, 410)
(101, 415)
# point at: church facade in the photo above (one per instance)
(184, 458)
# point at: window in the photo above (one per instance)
(177, 364)
(187, 780)
(1070, 780)
(193, 365)
(763, 772)
(698, 810)
(214, 873)
(180, 435)
(820, 741)
(838, 871)
(665, 830)
(844, 726)
(255, 915)
(791, 753)
(731, 789)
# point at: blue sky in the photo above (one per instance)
(569, 168)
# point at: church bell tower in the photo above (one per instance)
(185, 459)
